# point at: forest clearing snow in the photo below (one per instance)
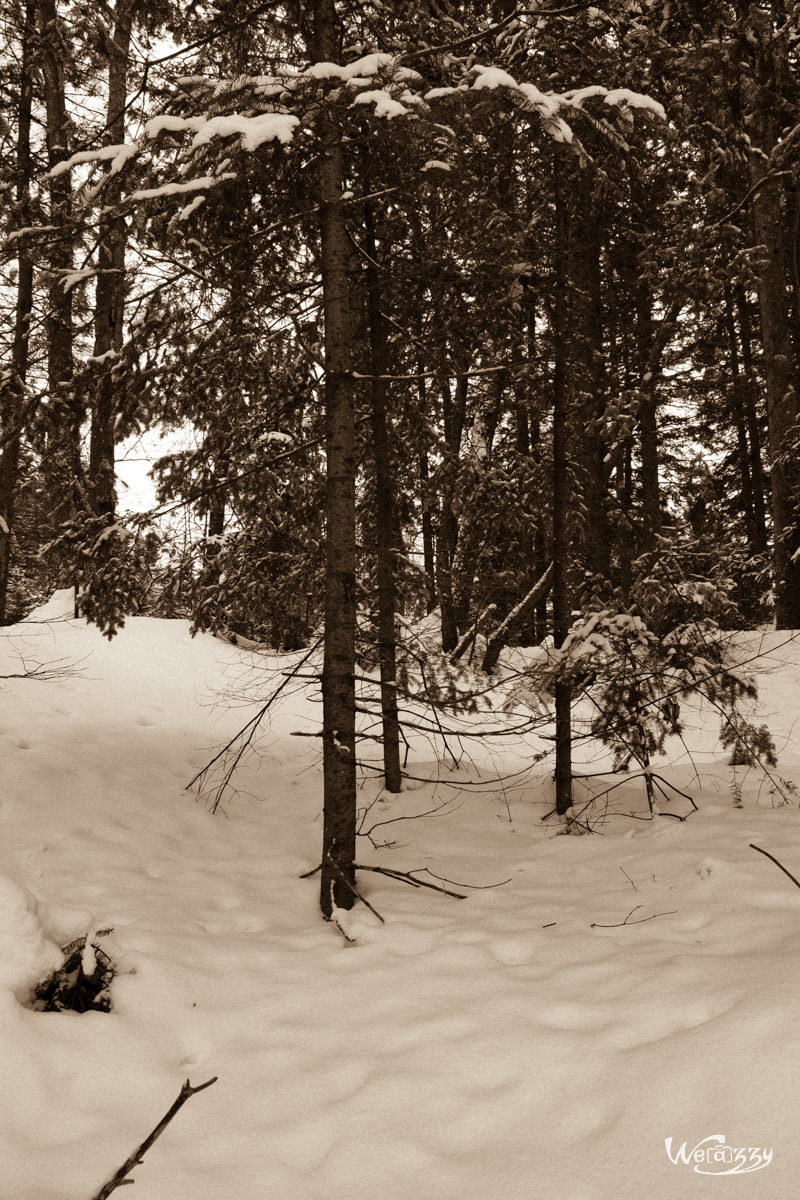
(591, 998)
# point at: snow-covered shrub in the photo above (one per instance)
(112, 567)
(749, 744)
(82, 981)
(636, 680)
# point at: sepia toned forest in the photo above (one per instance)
(477, 319)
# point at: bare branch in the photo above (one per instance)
(767, 854)
(638, 921)
(135, 1160)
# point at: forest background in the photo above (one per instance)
(485, 322)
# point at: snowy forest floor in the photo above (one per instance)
(592, 996)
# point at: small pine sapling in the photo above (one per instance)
(636, 680)
(81, 984)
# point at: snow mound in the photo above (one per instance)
(26, 956)
(60, 607)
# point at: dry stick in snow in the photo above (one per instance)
(403, 876)
(135, 1159)
(628, 921)
(767, 854)
(407, 877)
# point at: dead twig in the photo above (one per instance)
(408, 877)
(630, 881)
(404, 877)
(231, 757)
(767, 854)
(136, 1158)
(628, 921)
(341, 875)
(473, 887)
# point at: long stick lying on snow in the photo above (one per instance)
(135, 1159)
(767, 854)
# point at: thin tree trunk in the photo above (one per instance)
(110, 291)
(63, 470)
(738, 384)
(11, 403)
(587, 371)
(338, 674)
(384, 518)
(561, 606)
(428, 556)
(749, 398)
(648, 427)
(453, 413)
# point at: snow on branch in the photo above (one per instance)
(616, 96)
(176, 189)
(253, 131)
(550, 104)
(119, 155)
(362, 68)
(385, 105)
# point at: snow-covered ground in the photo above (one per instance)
(591, 998)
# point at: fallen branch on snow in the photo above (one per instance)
(628, 921)
(767, 854)
(136, 1158)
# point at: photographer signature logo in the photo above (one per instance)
(713, 1156)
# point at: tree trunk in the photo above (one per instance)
(561, 606)
(428, 556)
(780, 358)
(384, 517)
(13, 392)
(110, 291)
(63, 472)
(338, 673)
(738, 387)
(587, 371)
(749, 398)
(453, 414)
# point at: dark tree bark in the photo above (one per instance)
(651, 340)
(12, 397)
(561, 504)
(63, 470)
(453, 414)
(384, 516)
(428, 554)
(749, 399)
(753, 511)
(587, 371)
(781, 369)
(338, 674)
(110, 292)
